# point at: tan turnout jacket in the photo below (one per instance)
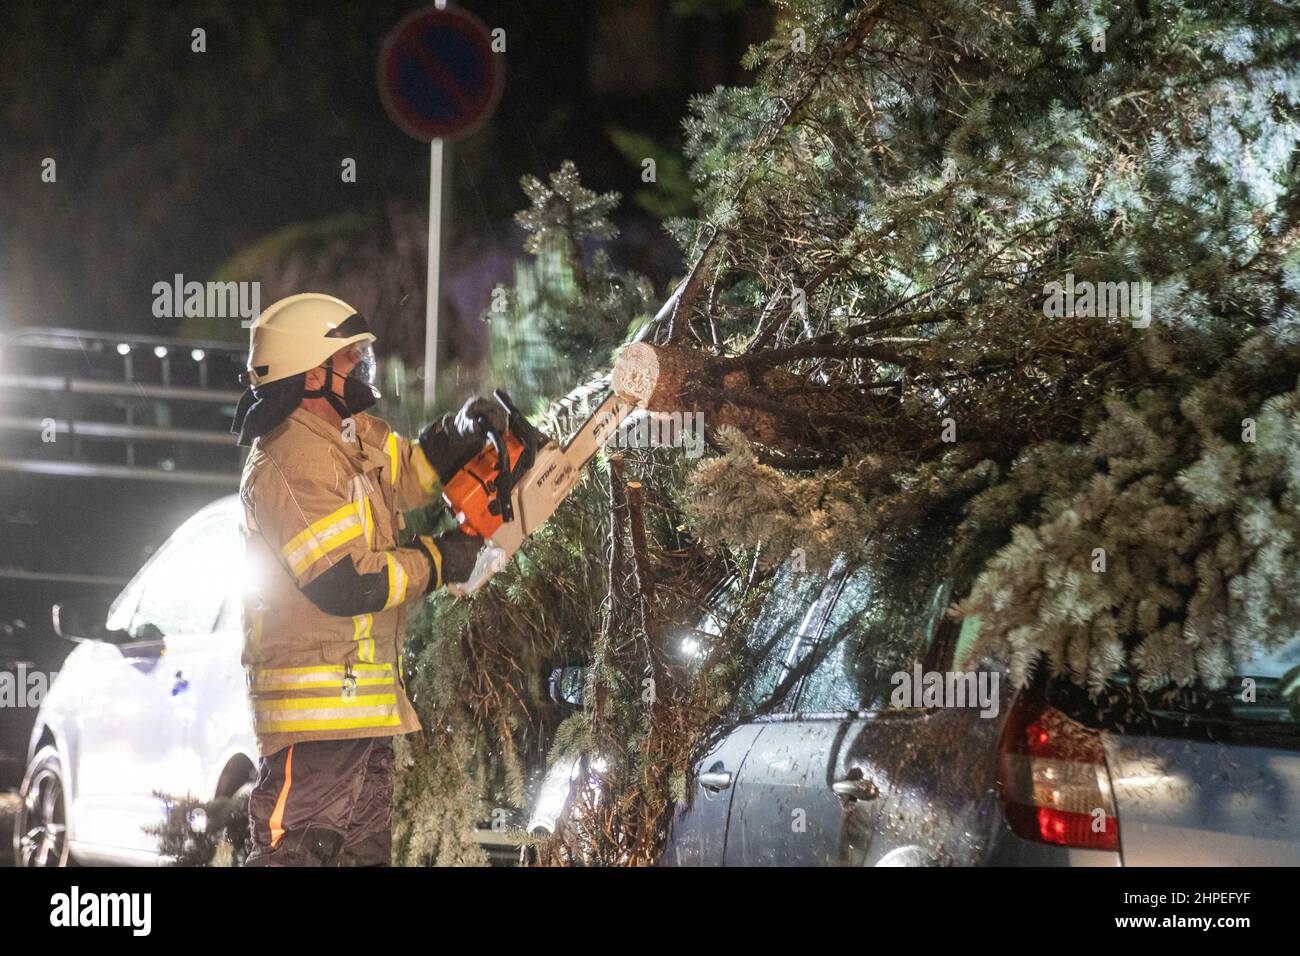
(313, 501)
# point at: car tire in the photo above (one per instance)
(41, 823)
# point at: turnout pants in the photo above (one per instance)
(324, 803)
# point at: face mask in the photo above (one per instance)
(359, 392)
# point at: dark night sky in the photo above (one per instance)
(171, 161)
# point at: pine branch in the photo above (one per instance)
(865, 21)
(811, 350)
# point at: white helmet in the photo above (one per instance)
(299, 333)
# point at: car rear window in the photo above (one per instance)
(1264, 690)
(1263, 697)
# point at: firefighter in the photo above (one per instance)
(323, 489)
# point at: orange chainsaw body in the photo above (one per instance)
(471, 494)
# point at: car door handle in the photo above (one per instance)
(715, 780)
(855, 788)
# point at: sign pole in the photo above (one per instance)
(439, 79)
(433, 288)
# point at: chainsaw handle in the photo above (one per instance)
(529, 436)
(505, 476)
(503, 399)
(520, 428)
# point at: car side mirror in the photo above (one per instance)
(566, 685)
(81, 622)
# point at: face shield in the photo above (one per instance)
(359, 392)
(366, 368)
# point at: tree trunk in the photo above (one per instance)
(769, 405)
(657, 377)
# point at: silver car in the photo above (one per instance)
(827, 765)
(151, 701)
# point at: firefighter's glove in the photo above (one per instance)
(451, 442)
(479, 414)
(452, 554)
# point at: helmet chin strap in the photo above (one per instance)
(327, 392)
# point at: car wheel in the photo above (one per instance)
(41, 824)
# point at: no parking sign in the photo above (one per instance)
(439, 77)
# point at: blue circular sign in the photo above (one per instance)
(438, 75)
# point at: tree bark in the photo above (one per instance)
(640, 549)
(656, 377)
(769, 405)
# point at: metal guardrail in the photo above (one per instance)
(97, 580)
(140, 377)
(86, 386)
(109, 430)
(73, 469)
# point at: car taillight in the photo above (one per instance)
(1053, 780)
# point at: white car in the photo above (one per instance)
(151, 701)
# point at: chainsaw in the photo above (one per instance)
(509, 489)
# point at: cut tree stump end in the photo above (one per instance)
(655, 377)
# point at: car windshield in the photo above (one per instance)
(182, 589)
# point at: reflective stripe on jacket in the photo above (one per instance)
(324, 609)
